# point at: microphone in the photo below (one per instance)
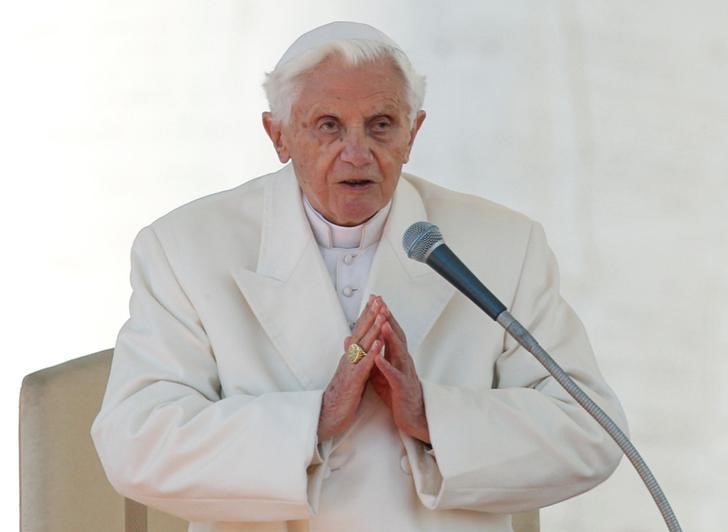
(423, 242)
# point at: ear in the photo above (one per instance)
(419, 119)
(275, 132)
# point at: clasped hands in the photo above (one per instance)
(392, 376)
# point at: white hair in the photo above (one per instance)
(282, 85)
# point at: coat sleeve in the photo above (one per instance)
(167, 438)
(526, 443)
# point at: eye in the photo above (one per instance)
(381, 124)
(328, 125)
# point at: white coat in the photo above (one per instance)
(213, 400)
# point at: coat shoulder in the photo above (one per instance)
(222, 226)
(457, 213)
(243, 202)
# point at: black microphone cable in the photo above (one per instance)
(423, 242)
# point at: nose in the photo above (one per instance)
(356, 150)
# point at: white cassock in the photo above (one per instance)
(348, 253)
(212, 405)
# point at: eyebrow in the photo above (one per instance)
(388, 112)
(319, 110)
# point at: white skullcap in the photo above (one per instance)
(334, 31)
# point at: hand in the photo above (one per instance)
(396, 382)
(343, 394)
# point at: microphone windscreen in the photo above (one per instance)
(419, 239)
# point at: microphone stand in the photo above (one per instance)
(423, 242)
(523, 337)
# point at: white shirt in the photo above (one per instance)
(348, 253)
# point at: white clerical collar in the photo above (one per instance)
(330, 235)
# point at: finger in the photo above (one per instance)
(363, 368)
(350, 340)
(377, 379)
(395, 324)
(366, 363)
(346, 365)
(367, 317)
(381, 387)
(372, 334)
(364, 320)
(396, 350)
(375, 350)
(353, 377)
(387, 370)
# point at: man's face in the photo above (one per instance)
(348, 137)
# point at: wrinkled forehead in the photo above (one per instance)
(336, 84)
(336, 69)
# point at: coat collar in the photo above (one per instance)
(291, 292)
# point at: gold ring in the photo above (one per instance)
(355, 353)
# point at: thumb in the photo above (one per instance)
(395, 348)
(386, 369)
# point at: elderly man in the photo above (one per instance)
(230, 402)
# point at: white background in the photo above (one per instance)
(605, 120)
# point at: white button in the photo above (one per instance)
(348, 291)
(405, 465)
(348, 259)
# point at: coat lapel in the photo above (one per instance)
(415, 294)
(292, 296)
(291, 292)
